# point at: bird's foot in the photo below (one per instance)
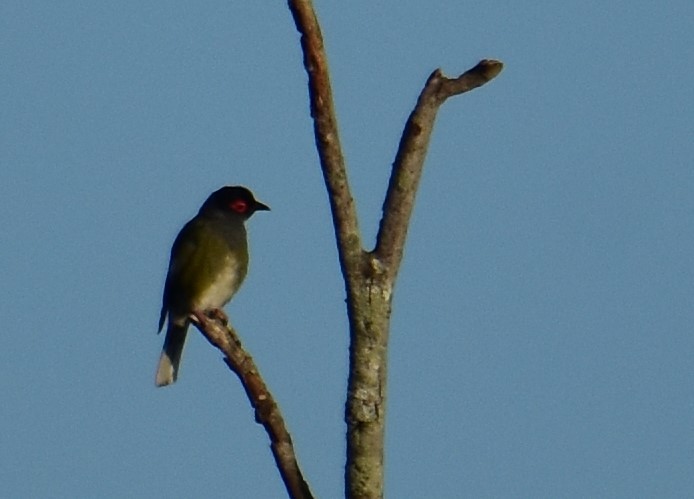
(197, 317)
(218, 315)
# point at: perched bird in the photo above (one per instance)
(209, 260)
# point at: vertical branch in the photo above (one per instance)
(328, 140)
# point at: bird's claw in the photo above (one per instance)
(218, 315)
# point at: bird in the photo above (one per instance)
(208, 263)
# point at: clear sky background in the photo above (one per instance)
(542, 340)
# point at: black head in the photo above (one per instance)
(233, 199)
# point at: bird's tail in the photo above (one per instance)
(167, 372)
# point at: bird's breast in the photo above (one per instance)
(224, 285)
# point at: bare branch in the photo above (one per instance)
(409, 161)
(327, 137)
(370, 278)
(485, 71)
(267, 412)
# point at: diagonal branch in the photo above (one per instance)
(327, 138)
(267, 412)
(409, 161)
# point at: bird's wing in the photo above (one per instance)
(182, 250)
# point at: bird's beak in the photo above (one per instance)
(261, 207)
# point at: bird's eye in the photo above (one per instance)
(239, 206)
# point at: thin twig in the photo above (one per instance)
(267, 412)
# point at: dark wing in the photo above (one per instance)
(182, 247)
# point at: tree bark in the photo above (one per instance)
(370, 276)
(220, 334)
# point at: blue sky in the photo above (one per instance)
(541, 343)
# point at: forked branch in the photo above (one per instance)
(370, 277)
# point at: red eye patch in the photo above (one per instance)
(239, 206)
